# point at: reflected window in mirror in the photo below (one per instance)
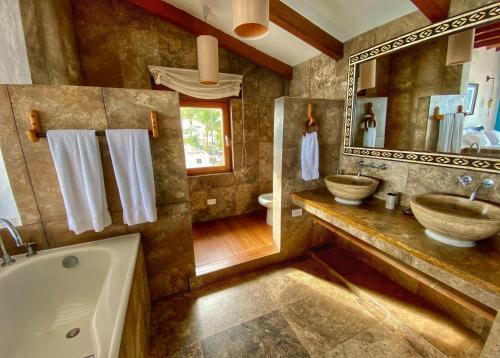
(8, 207)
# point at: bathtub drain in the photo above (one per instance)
(72, 333)
(70, 261)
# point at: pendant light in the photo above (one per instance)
(251, 18)
(460, 48)
(207, 52)
(208, 59)
(367, 75)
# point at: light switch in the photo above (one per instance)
(211, 201)
(296, 212)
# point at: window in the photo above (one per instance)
(206, 134)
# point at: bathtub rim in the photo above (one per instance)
(129, 242)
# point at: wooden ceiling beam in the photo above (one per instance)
(487, 35)
(491, 42)
(435, 10)
(291, 21)
(487, 28)
(198, 27)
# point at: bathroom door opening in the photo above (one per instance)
(215, 166)
(230, 241)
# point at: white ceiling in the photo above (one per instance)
(343, 19)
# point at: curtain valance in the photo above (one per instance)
(187, 82)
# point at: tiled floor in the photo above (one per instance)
(302, 310)
(230, 241)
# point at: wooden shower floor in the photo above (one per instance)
(230, 241)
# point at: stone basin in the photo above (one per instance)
(455, 220)
(351, 189)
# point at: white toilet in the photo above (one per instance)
(267, 201)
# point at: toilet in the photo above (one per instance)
(267, 201)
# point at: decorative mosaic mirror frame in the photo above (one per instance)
(457, 23)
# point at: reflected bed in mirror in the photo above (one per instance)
(431, 95)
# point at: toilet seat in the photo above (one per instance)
(266, 200)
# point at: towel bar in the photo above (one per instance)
(34, 134)
(438, 116)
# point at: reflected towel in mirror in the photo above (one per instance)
(450, 133)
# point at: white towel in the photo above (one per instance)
(133, 166)
(79, 170)
(310, 156)
(450, 133)
(369, 137)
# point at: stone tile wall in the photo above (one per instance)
(117, 41)
(294, 234)
(322, 77)
(167, 243)
(50, 42)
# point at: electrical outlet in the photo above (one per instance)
(211, 201)
(296, 212)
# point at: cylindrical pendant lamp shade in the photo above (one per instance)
(208, 59)
(251, 18)
(460, 48)
(367, 75)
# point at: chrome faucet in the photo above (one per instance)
(7, 259)
(361, 164)
(465, 180)
(485, 183)
(478, 147)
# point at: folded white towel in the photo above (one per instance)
(310, 156)
(133, 166)
(369, 137)
(79, 170)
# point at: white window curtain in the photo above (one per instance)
(187, 82)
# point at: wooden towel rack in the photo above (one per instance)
(34, 134)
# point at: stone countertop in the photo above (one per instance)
(472, 271)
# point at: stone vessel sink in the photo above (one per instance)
(454, 220)
(351, 189)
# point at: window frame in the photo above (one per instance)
(226, 132)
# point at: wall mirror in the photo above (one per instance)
(430, 96)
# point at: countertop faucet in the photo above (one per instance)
(361, 164)
(7, 259)
(485, 183)
(478, 147)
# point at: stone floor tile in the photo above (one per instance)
(324, 321)
(266, 336)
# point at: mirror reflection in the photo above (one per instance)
(441, 95)
(8, 207)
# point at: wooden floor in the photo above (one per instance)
(230, 241)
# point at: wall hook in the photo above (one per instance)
(438, 116)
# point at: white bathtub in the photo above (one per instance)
(40, 300)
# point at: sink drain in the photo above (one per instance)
(72, 333)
